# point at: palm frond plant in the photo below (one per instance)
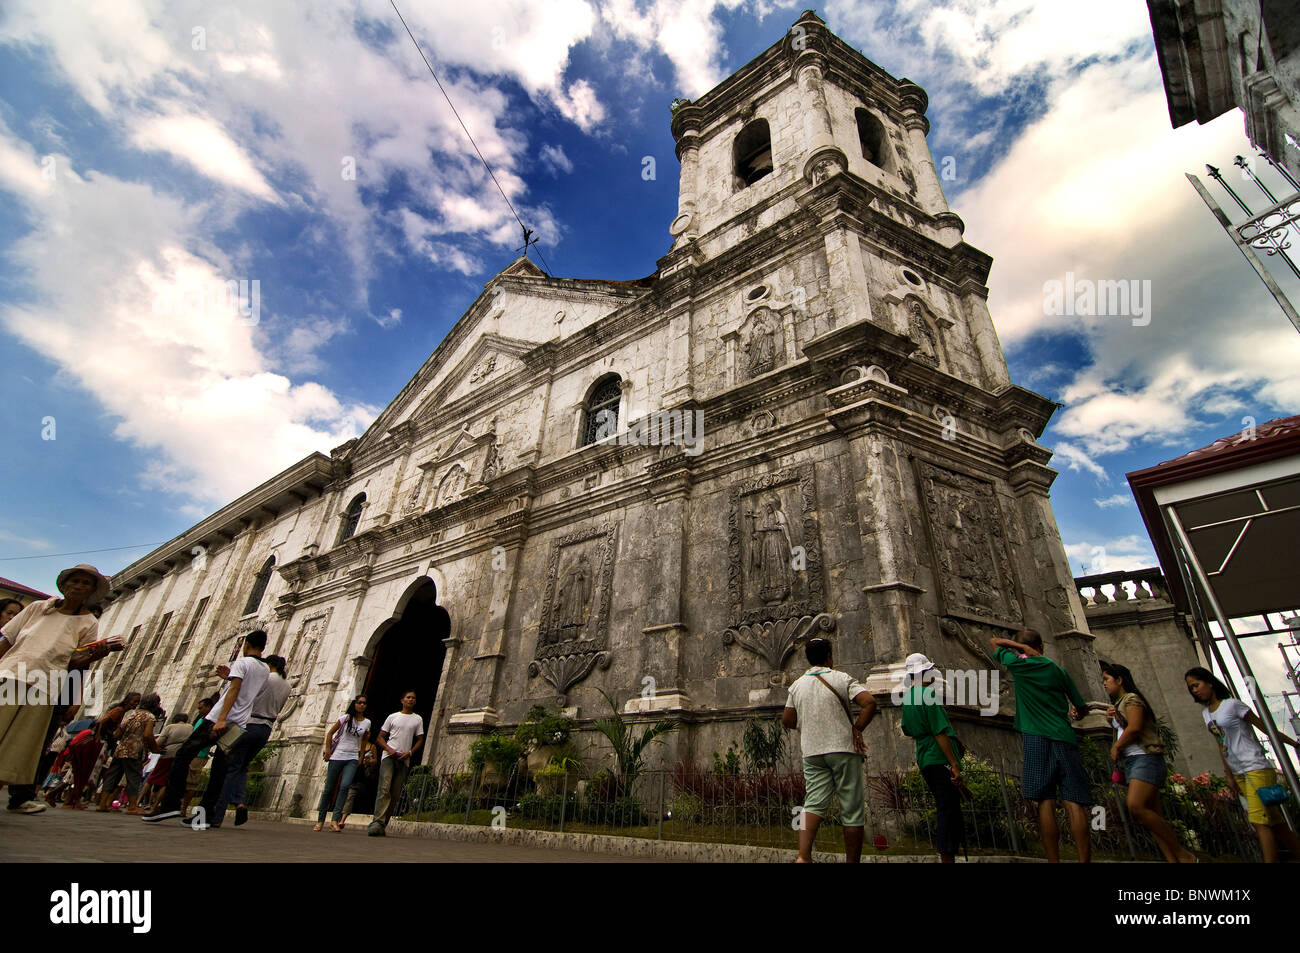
(629, 747)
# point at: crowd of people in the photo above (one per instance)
(136, 758)
(1048, 704)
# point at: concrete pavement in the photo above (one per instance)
(61, 836)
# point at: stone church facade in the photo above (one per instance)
(530, 520)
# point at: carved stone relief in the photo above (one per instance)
(301, 658)
(484, 369)
(774, 642)
(968, 542)
(762, 343)
(921, 331)
(774, 548)
(452, 485)
(573, 636)
(412, 502)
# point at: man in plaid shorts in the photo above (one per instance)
(1046, 701)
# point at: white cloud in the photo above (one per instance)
(203, 144)
(1119, 499)
(1121, 554)
(554, 159)
(1076, 458)
(685, 31)
(1096, 174)
(188, 385)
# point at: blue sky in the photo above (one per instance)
(149, 148)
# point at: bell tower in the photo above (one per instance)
(813, 248)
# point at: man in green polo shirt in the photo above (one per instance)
(1047, 700)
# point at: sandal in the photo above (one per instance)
(334, 827)
(319, 827)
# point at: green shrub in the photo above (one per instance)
(685, 808)
(541, 727)
(536, 807)
(497, 750)
(764, 745)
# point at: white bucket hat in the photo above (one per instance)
(917, 663)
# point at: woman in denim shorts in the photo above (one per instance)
(1139, 749)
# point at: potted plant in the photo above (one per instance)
(558, 774)
(544, 735)
(496, 756)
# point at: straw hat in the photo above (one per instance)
(101, 582)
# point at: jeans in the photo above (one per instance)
(392, 779)
(952, 828)
(227, 774)
(254, 739)
(199, 739)
(338, 778)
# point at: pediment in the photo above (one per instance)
(491, 358)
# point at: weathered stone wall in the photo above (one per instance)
(1136, 626)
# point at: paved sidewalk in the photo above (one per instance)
(61, 836)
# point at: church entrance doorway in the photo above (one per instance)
(408, 657)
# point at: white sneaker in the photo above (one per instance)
(28, 807)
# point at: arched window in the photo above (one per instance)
(259, 586)
(752, 152)
(351, 518)
(872, 138)
(601, 417)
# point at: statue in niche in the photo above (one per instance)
(772, 551)
(923, 335)
(760, 349)
(453, 484)
(575, 595)
(491, 464)
(413, 498)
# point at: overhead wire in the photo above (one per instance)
(509, 204)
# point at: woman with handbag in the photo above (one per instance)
(1251, 776)
(1140, 754)
(347, 738)
(938, 752)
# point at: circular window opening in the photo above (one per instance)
(756, 293)
(912, 277)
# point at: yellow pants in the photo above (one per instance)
(22, 733)
(1249, 784)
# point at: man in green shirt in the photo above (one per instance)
(937, 753)
(1046, 701)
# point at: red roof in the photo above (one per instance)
(1271, 430)
(20, 588)
(1271, 440)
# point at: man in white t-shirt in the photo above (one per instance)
(832, 745)
(244, 680)
(401, 739)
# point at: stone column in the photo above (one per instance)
(975, 305)
(663, 648)
(485, 676)
(881, 477)
(688, 121)
(847, 278)
(822, 158)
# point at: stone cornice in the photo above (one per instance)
(306, 478)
